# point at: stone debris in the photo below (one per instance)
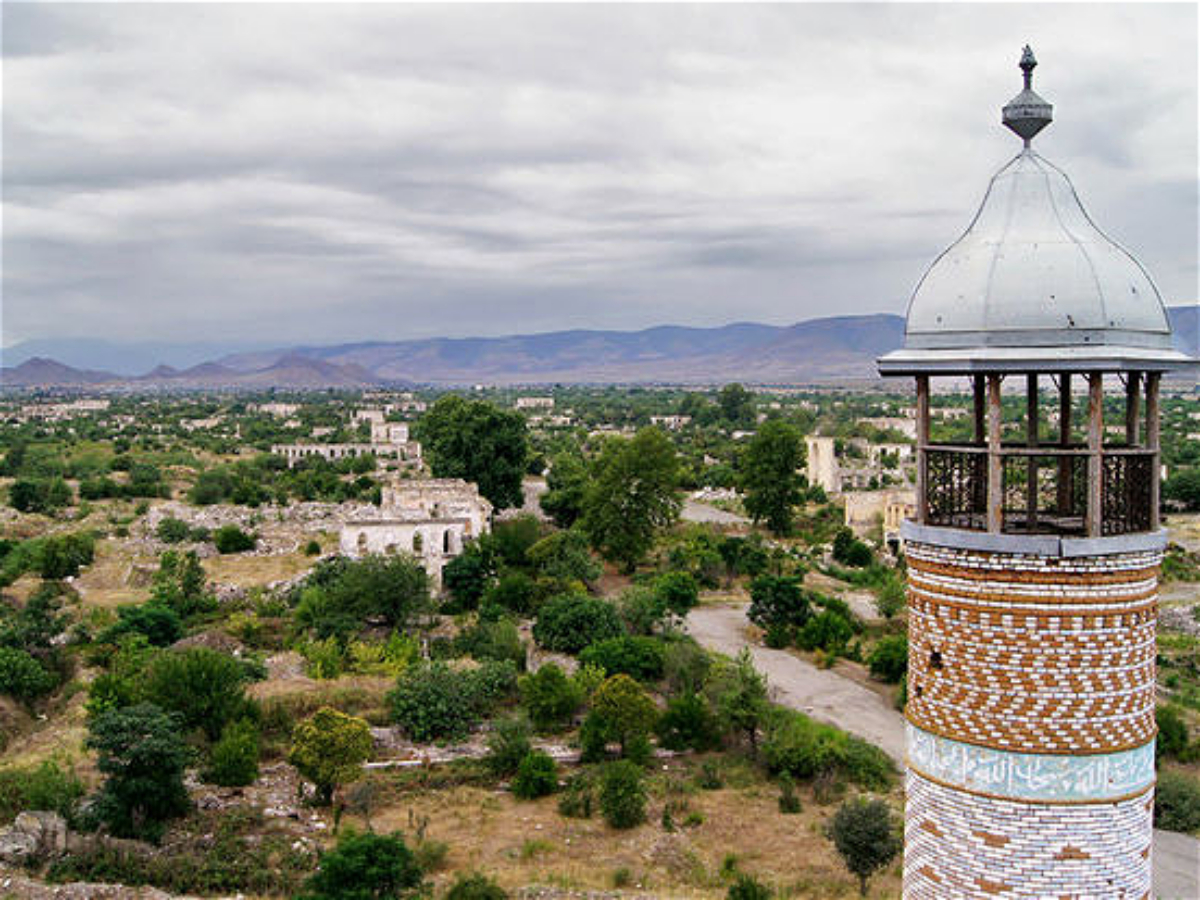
(1180, 618)
(32, 835)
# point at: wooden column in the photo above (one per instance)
(1031, 440)
(1133, 396)
(995, 493)
(1152, 444)
(1095, 442)
(922, 446)
(1066, 486)
(979, 383)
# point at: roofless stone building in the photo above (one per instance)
(1034, 553)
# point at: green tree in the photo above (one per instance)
(769, 476)
(633, 494)
(475, 440)
(160, 624)
(364, 866)
(622, 794)
(569, 623)
(206, 688)
(624, 711)
(179, 583)
(564, 557)
(329, 748)
(778, 601)
(677, 591)
(142, 754)
(1172, 733)
(566, 487)
(889, 660)
(742, 698)
(341, 595)
(736, 404)
(866, 837)
(550, 697)
(233, 760)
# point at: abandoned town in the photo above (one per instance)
(365, 532)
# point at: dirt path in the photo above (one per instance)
(832, 698)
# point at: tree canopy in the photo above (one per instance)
(477, 441)
(769, 478)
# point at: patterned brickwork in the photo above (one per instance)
(965, 845)
(1033, 654)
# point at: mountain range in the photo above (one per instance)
(818, 350)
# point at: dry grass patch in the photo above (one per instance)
(111, 579)
(253, 571)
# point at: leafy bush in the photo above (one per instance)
(312, 548)
(205, 687)
(889, 659)
(1177, 802)
(578, 798)
(689, 723)
(142, 753)
(508, 745)
(570, 623)
(231, 539)
(850, 550)
(828, 631)
(746, 888)
(1172, 733)
(433, 702)
(48, 786)
(160, 624)
(340, 594)
(179, 584)
(806, 749)
(515, 591)
(677, 591)
(233, 760)
(550, 697)
(476, 886)
(789, 803)
(622, 795)
(329, 749)
(364, 866)
(498, 640)
(637, 656)
(642, 610)
(685, 666)
(537, 776)
(23, 677)
(778, 600)
(173, 531)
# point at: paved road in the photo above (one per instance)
(828, 697)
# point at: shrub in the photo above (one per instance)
(233, 761)
(231, 539)
(746, 888)
(160, 624)
(866, 837)
(889, 599)
(850, 550)
(778, 600)
(677, 591)
(515, 591)
(789, 803)
(23, 677)
(685, 666)
(622, 795)
(142, 753)
(828, 631)
(172, 531)
(329, 749)
(1172, 733)
(508, 745)
(475, 887)
(570, 623)
(806, 749)
(537, 776)
(639, 657)
(642, 610)
(179, 583)
(550, 697)
(48, 786)
(340, 594)
(312, 548)
(497, 640)
(689, 723)
(205, 687)
(1177, 802)
(364, 867)
(433, 702)
(889, 659)
(623, 711)
(577, 798)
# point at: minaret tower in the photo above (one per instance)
(1034, 554)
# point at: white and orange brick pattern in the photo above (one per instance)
(1031, 708)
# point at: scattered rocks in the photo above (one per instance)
(1179, 618)
(33, 835)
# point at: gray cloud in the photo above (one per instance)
(314, 173)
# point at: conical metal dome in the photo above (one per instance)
(1033, 283)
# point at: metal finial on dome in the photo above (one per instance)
(1026, 114)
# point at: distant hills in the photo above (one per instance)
(818, 350)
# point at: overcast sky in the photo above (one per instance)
(320, 173)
